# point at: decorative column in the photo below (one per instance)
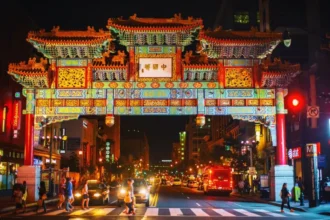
(280, 127)
(29, 134)
(280, 172)
(179, 63)
(221, 75)
(131, 73)
(29, 125)
(29, 173)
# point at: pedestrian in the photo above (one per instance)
(130, 189)
(24, 195)
(241, 187)
(285, 194)
(18, 198)
(85, 196)
(42, 196)
(61, 193)
(68, 195)
(129, 203)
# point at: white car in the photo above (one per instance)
(176, 182)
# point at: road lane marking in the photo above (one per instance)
(151, 212)
(198, 204)
(175, 212)
(247, 213)
(199, 212)
(268, 213)
(103, 211)
(223, 212)
(57, 212)
(80, 212)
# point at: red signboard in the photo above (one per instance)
(17, 115)
(295, 153)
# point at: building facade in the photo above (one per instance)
(134, 147)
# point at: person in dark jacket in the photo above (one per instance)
(42, 196)
(285, 194)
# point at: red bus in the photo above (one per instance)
(217, 179)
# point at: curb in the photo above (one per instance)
(271, 203)
(34, 204)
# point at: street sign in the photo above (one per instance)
(311, 150)
(313, 112)
(290, 154)
(321, 161)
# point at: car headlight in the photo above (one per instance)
(77, 195)
(143, 191)
(122, 191)
(97, 194)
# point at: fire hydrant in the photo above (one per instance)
(301, 199)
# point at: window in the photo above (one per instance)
(258, 17)
(182, 158)
(242, 17)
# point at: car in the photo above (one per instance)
(184, 183)
(98, 193)
(176, 182)
(141, 192)
(192, 184)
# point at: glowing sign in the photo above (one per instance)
(155, 67)
(17, 115)
(4, 118)
(294, 153)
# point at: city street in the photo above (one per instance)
(172, 202)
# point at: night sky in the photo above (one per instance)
(78, 14)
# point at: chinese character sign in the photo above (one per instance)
(155, 67)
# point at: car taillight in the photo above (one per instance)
(231, 183)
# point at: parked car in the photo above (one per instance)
(176, 182)
(98, 193)
(192, 184)
(141, 192)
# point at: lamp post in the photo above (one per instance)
(249, 144)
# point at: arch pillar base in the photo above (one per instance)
(32, 176)
(280, 174)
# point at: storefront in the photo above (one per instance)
(10, 161)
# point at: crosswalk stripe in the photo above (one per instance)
(80, 212)
(175, 212)
(223, 212)
(291, 213)
(199, 212)
(57, 212)
(151, 212)
(103, 211)
(247, 213)
(268, 213)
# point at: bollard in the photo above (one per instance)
(301, 199)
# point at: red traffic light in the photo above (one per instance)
(295, 102)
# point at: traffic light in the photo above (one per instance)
(295, 102)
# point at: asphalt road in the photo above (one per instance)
(168, 202)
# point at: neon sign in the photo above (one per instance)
(17, 115)
(4, 118)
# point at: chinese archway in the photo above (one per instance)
(154, 73)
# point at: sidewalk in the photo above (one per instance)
(323, 209)
(7, 203)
